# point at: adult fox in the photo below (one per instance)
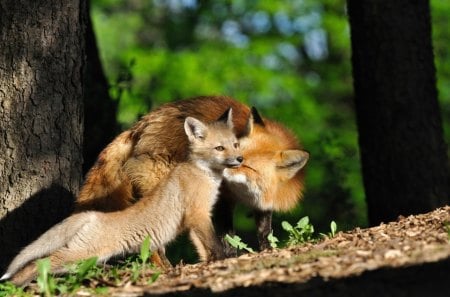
(139, 158)
(183, 201)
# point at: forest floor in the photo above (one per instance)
(409, 257)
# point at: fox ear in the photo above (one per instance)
(291, 161)
(253, 118)
(257, 119)
(195, 129)
(227, 118)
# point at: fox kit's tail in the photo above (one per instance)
(50, 241)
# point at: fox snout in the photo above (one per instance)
(234, 162)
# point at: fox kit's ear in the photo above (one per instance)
(194, 129)
(227, 118)
(291, 161)
(248, 127)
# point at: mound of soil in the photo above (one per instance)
(409, 257)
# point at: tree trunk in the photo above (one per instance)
(41, 91)
(403, 154)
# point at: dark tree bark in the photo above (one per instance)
(100, 125)
(41, 91)
(403, 154)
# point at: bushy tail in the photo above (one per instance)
(48, 242)
(106, 188)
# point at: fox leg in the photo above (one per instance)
(204, 238)
(159, 259)
(25, 274)
(263, 220)
(145, 173)
(29, 271)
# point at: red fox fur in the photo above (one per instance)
(141, 157)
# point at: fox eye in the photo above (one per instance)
(219, 148)
(236, 145)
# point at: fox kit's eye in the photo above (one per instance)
(236, 145)
(219, 148)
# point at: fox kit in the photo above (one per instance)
(181, 202)
(133, 163)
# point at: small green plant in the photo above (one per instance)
(77, 274)
(138, 267)
(86, 269)
(304, 231)
(154, 277)
(237, 243)
(86, 273)
(333, 229)
(272, 240)
(301, 233)
(135, 267)
(45, 280)
(145, 250)
(8, 289)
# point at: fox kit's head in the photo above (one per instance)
(271, 176)
(214, 144)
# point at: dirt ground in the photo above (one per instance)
(409, 257)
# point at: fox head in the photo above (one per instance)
(214, 144)
(271, 176)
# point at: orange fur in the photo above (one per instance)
(135, 162)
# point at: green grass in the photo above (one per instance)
(87, 276)
(301, 233)
(273, 240)
(237, 243)
(7, 289)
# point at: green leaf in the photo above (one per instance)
(46, 286)
(303, 222)
(85, 266)
(286, 226)
(8, 289)
(101, 290)
(333, 227)
(236, 242)
(145, 250)
(233, 241)
(135, 271)
(272, 240)
(154, 277)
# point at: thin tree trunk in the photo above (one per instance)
(41, 73)
(403, 154)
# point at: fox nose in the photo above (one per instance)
(240, 159)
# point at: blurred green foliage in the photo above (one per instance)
(291, 59)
